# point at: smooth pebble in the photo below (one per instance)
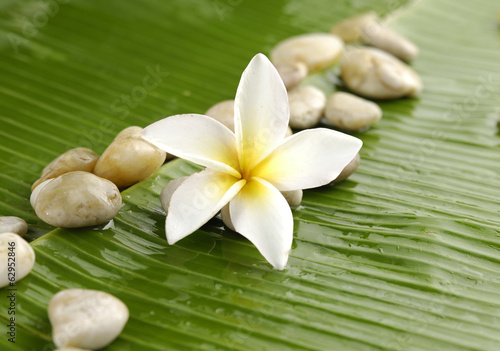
(79, 159)
(315, 50)
(168, 191)
(223, 112)
(88, 319)
(376, 74)
(307, 104)
(348, 170)
(386, 39)
(75, 200)
(351, 28)
(350, 112)
(293, 197)
(226, 217)
(11, 224)
(292, 74)
(129, 159)
(14, 249)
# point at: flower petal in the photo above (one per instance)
(308, 159)
(196, 138)
(197, 200)
(261, 214)
(261, 112)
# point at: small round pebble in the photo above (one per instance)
(11, 224)
(292, 74)
(79, 159)
(168, 191)
(307, 104)
(87, 319)
(37, 190)
(376, 74)
(350, 112)
(293, 197)
(386, 39)
(226, 217)
(315, 50)
(223, 112)
(129, 159)
(14, 249)
(348, 170)
(351, 28)
(75, 200)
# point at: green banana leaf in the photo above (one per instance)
(404, 255)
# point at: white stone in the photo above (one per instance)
(168, 191)
(37, 190)
(350, 112)
(75, 200)
(129, 159)
(79, 159)
(88, 319)
(293, 197)
(223, 112)
(16, 258)
(386, 39)
(315, 50)
(292, 74)
(226, 217)
(350, 29)
(348, 170)
(376, 74)
(307, 104)
(11, 224)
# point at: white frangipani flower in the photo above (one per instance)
(249, 168)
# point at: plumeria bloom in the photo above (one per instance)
(249, 168)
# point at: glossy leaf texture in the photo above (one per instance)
(405, 255)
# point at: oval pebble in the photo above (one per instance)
(348, 170)
(129, 159)
(226, 217)
(376, 74)
(79, 159)
(293, 197)
(350, 112)
(292, 74)
(168, 191)
(87, 319)
(223, 112)
(14, 246)
(76, 199)
(350, 29)
(307, 104)
(386, 39)
(315, 50)
(11, 224)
